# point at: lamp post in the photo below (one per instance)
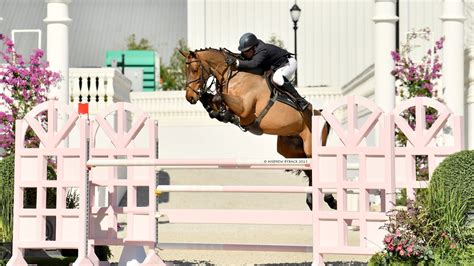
(295, 16)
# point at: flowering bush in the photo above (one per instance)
(25, 86)
(408, 236)
(417, 79)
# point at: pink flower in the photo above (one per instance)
(399, 247)
(410, 249)
(439, 44)
(402, 252)
(395, 56)
(388, 239)
(429, 119)
(9, 43)
(427, 86)
(38, 53)
(25, 85)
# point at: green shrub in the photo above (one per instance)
(7, 174)
(450, 196)
(103, 252)
(174, 75)
(143, 44)
(383, 259)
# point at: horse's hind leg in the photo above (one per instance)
(307, 144)
(290, 146)
(293, 147)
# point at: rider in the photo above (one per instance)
(266, 56)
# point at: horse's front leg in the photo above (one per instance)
(243, 107)
(234, 103)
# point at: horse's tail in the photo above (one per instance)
(326, 128)
(325, 133)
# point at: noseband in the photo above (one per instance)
(199, 92)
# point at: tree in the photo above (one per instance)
(142, 45)
(276, 41)
(174, 75)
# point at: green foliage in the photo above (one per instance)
(174, 76)
(143, 44)
(442, 219)
(276, 41)
(402, 198)
(408, 230)
(103, 253)
(7, 175)
(449, 199)
(383, 259)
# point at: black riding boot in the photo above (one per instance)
(300, 101)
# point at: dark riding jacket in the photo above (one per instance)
(266, 56)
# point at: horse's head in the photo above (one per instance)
(196, 76)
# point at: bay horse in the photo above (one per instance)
(245, 96)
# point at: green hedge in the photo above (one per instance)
(450, 196)
(7, 174)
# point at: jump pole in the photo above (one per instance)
(296, 164)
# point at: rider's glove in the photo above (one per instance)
(231, 61)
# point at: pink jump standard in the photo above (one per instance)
(123, 157)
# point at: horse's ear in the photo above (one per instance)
(183, 53)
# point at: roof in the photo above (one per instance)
(101, 25)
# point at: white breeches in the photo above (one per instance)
(285, 71)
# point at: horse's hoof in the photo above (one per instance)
(331, 201)
(213, 114)
(216, 98)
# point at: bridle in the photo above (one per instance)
(201, 78)
(224, 81)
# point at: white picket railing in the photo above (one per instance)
(98, 86)
(171, 107)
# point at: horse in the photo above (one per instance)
(244, 99)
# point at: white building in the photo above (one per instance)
(337, 48)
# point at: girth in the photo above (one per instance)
(276, 94)
(254, 128)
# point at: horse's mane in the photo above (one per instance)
(225, 51)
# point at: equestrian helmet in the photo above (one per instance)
(247, 41)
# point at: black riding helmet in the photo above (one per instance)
(247, 41)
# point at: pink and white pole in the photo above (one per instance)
(299, 164)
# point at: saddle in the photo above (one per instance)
(276, 94)
(281, 95)
(222, 113)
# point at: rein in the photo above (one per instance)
(222, 83)
(200, 78)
